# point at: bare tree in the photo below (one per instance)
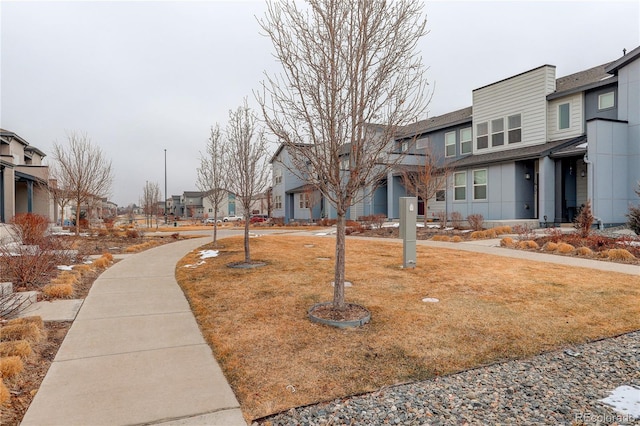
(149, 202)
(312, 197)
(427, 179)
(212, 172)
(347, 65)
(248, 167)
(82, 169)
(61, 195)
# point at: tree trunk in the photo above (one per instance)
(247, 253)
(424, 211)
(338, 289)
(78, 217)
(215, 228)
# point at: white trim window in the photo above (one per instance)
(466, 141)
(480, 184)
(497, 132)
(441, 195)
(460, 186)
(564, 117)
(482, 138)
(450, 144)
(606, 100)
(277, 202)
(278, 176)
(422, 143)
(514, 127)
(304, 200)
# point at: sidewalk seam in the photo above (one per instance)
(171, 419)
(134, 352)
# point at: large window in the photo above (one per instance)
(482, 131)
(422, 143)
(497, 132)
(606, 100)
(277, 202)
(563, 116)
(441, 195)
(460, 186)
(480, 184)
(514, 123)
(278, 176)
(450, 144)
(465, 141)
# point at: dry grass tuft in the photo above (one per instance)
(506, 242)
(37, 320)
(550, 246)
(10, 366)
(477, 235)
(27, 331)
(4, 393)
(532, 245)
(620, 254)
(82, 269)
(255, 320)
(66, 278)
(20, 348)
(457, 239)
(584, 251)
(101, 263)
(139, 247)
(440, 238)
(503, 230)
(108, 256)
(490, 233)
(58, 291)
(565, 248)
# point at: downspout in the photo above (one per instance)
(590, 185)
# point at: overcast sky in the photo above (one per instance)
(141, 77)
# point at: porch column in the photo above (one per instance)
(29, 196)
(546, 190)
(390, 212)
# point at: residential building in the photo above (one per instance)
(531, 148)
(24, 180)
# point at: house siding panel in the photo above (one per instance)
(524, 94)
(576, 123)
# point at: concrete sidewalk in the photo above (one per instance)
(135, 354)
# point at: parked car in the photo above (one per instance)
(232, 218)
(257, 218)
(210, 221)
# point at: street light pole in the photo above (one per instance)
(165, 186)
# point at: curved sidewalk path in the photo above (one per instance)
(135, 355)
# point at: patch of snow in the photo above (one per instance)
(465, 231)
(449, 228)
(625, 400)
(64, 268)
(321, 233)
(433, 226)
(202, 262)
(430, 300)
(88, 262)
(205, 254)
(391, 225)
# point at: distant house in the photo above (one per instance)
(532, 148)
(24, 180)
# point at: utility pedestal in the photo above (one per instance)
(408, 215)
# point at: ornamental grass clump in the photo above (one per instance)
(565, 248)
(27, 331)
(550, 246)
(456, 239)
(37, 320)
(20, 348)
(5, 396)
(58, 291)
(506, 242)
(532, 245)
(10, 366)
(478, 235)
(440, 238)
(620, 254)
(584, 251)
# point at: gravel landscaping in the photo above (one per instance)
(559, 387)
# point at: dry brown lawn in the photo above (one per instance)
(491, 309)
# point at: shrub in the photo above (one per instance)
(584, 220)
(175, 235)
(20, 348)
(565, 248)
(620, 254)
(584, 251)
(373, 220)
(102, 232)
(58, 291)
(506, 242)
(499, 230)
(442, 218)
(456, 239)
(456, 220)
(554, 234)
(108, 256)
(550, 246)
(525, 232)
(132, 233)
(103, 262)
(26, 331)
(532, 245)
(31, 228)
(476, 221)
(10, 366)
(634, 215)
(5, 396)
(477, 235)
(440, 238)
(279, 221)
(491, 233)
(523, 245)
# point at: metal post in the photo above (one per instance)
(408, 216)
(165, 186)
